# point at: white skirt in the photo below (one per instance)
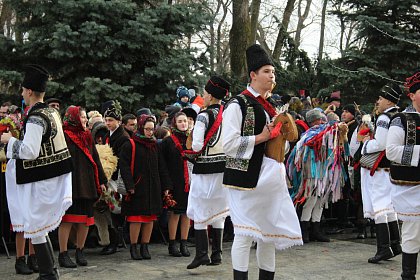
(208, 199)
(406, 202)
(37, 208)
(266, 213)
(376, 193)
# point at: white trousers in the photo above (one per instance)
(266, 254)
(219, 223)
(410, 235)
(312, 209)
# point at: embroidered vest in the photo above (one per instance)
(54, 157)
(403, 174)
(242, 173)
(212, 159)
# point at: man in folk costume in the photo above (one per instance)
(376, 186)
(403, 150)
(259, 203)
(314, 205)
(207, 202)
(38, 174)
(116, 137)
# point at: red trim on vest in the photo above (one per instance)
(267, 105)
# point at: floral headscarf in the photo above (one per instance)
(73, 123)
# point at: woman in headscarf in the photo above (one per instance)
(88, 181)
(172, 149)
(140, 170)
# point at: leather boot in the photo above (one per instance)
(266, 275)
(134, 252)
(173, 249)
(409, 266)
(21, 267)
(383, 244)
(317, 234)
(144, 251)
(45, 262)
(304, 227)
(80, 257)
(65, 261)
(361, 231)
(113, 242)
(395, 238)
(240, 275)
(201, 249)
(33, 263)
(184, 248)
(216, 246)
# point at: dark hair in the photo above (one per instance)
(161, 132)
(128, 117)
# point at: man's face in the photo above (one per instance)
(346, 116)
(415, 98)
(112, 123)
(206, 98)
(54, 105)
(26, 93)
(131, 125)
(264, 78)
(3, 111)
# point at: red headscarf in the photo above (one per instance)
(73, 123)
(139, 136)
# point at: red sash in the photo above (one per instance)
(267, 105)
(181, 150)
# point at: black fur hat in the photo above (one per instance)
(217, 87)
(36, 78)
(257, 57)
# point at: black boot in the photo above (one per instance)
(80, 257)
(33, 263)
(113, 242)
(134, 252)
(372, 229)
(317, 234)
(361, 231)
(304, 227)
(21, 267)
(394, 236)
(266, 275)
(144, 251)
(384, 251)
(173, 249)
(240, 275)
(45, 262)
(184, 248)
(216, 246)
(409, 266)
(201, 249)
(65, 261)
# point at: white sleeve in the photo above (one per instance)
(354, 144)
(199, 131)
(396, 150)
(378, 143)
(235, 145)
(30, 146)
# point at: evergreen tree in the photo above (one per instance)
(389, 33)
(98, 50)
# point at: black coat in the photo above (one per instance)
(83, 176)
(116, 141)
(146, 182)
(174, 165)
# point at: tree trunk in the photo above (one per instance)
(283, 28)
(238, 38)
(301, 20)
(220, 64)
(5, 15)
(321, 37)
(255, 12)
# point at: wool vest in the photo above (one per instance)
(243, 173)
(402, 174)
(54, 157)
(212, 159)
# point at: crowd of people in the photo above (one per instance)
(271, 163)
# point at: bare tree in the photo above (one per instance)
(239, 38)
(301, 20)
(322, 33)
(255, 12)
(283, 28)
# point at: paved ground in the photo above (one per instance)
(343, 258)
